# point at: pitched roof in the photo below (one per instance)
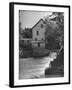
(37, 23)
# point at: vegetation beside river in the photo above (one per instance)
(57, 66)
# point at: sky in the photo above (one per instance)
(29, 18)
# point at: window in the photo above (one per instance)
(36, 39)
(42, 39)
(41, 25)
(37, 32)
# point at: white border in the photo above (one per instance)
(16, 46)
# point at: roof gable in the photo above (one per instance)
(38, 22)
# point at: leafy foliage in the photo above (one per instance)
(55, 29)
(25, 33)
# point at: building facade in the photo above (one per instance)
(38, 34)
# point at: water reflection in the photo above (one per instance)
(35, 67)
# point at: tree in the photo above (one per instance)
(55, 28)
(27, 33)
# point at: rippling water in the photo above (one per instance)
(34, 67)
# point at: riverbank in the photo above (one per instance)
(57, 66)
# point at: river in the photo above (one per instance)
(30, 68)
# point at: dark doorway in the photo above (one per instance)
(38, 44)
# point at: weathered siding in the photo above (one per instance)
(41, 31)
(38, 35)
